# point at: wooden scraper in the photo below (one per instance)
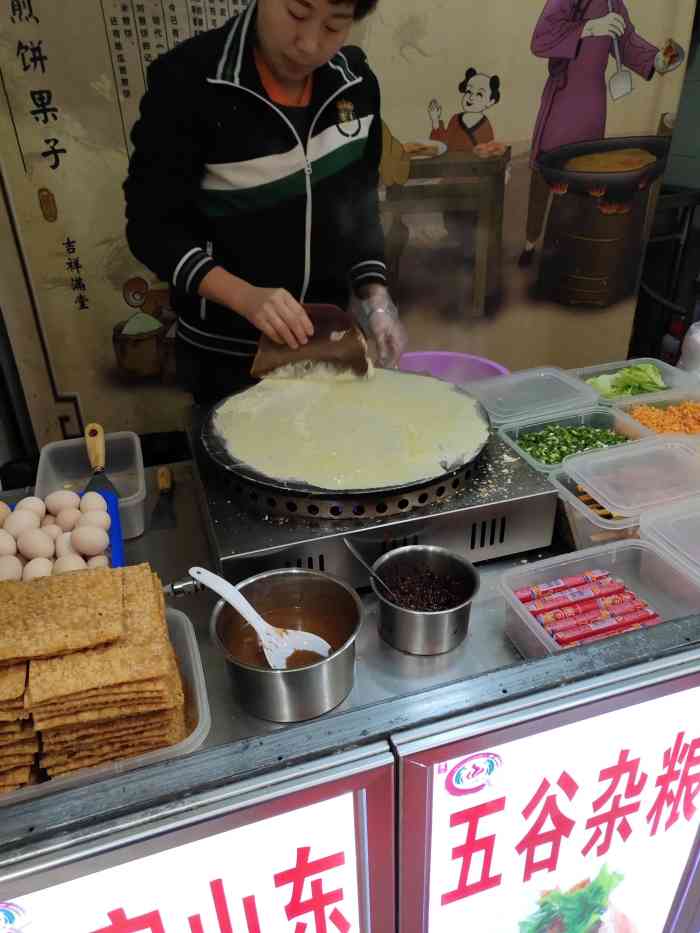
(337, 341)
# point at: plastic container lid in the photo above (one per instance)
(641, 475)
(674, 529)
(532, 393)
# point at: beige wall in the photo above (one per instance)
(420, 50)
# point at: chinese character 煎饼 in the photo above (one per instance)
(616, 817)
(320, 901)
(682, 767)
(32, 56)
(22, 11)
(54, 152)
(474, 845)
(537, 836)
(43, 108)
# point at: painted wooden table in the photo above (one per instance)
(458, 182)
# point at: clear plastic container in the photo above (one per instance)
(629, 479)
(674, 530)
(660, 400)
(531, 393)
(65, 465)
(597, 416)
(672, 590)
(673, 377)
(198, 714)
(587, 528)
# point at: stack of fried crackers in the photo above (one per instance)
(19, 742)
(103, 681)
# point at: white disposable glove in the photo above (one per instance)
(612, 25)
(379, 318)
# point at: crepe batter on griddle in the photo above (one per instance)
(395, 429)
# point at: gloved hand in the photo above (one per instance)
(612, 25)
(379, 318)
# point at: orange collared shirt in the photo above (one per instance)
(277, 93)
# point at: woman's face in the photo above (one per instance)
(477, 97)
(298, 36)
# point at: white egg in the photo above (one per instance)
(97, 519)
(37, 568)
(52, 531)
(8, 545)
(89, 541)
(33, 504)
(63, 545)
(5, 511)
(10, 568)
(68, 564)
(68, 519)
(92, 501)
(34, 543)
(98, 562)
(63, 499)
(21, 521)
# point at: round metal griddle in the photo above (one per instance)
(293, 497)
(620, 186)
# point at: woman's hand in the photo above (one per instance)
(277, 314)
(435, 113)
(612, 25)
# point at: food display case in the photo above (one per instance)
(269, 826)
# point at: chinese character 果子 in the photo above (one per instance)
(22, 11)
(32, 56)
(616, 817)
(320, 901)
(43, 108)
(681, 767)
(474, 845)
(148, 923)
(537, 836)
(53, 152)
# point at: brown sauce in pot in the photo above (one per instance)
(242, 643)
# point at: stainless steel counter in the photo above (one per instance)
(392, 692)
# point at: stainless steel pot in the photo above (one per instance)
(303, 693)
(425, 633)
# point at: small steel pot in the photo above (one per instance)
(425, 633)
(303, 693)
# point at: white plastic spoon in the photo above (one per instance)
(278, 644)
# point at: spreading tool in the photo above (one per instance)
(621, 82)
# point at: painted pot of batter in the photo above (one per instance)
(298, 599)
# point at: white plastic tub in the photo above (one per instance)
(597, 416)
(65, 465)
(587, 528)
(669, 588)
(673, 377)
(198, 716)
(531, 393)
(659, 400)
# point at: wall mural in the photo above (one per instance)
(502, 240)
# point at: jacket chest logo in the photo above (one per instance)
(348, 124)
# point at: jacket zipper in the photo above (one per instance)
(308, 168)
(203, 302)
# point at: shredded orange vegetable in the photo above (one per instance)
(683, 418)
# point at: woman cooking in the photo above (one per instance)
(253, 187)
(577, 36)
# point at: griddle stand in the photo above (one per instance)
(508, 508)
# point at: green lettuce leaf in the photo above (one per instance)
(633, 380)
(580, 909)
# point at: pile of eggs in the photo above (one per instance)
(58, 535)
